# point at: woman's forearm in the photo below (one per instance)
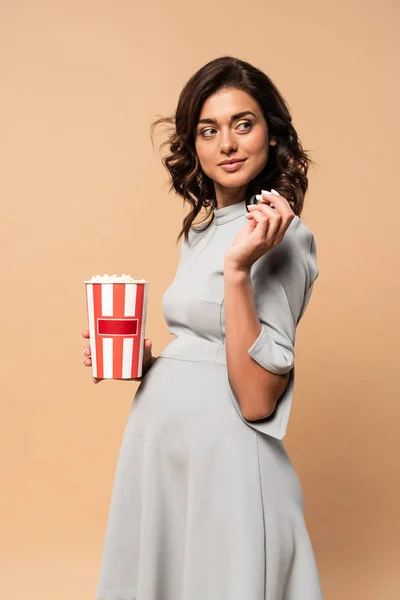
(256, 388)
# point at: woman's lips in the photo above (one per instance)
(232, 166)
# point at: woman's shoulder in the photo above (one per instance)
(295, 257)
(195, 234)
(187, 245)
(299, 233)
(303, 247)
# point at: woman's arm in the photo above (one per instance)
(256, 388)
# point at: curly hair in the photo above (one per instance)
(287, 165)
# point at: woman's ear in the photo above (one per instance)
(272, 141)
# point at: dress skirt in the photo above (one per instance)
(204, 507)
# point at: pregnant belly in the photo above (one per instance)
(185, 409)
(185, 395)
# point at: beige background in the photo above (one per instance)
(83, 192)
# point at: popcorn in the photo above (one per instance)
(115, 279)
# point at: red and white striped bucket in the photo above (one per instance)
(117, 320)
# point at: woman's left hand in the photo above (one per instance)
(265, 229)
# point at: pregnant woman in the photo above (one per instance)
(206, 504)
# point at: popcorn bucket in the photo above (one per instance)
(117, 320)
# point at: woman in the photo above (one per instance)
(206, 504)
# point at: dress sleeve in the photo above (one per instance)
(283, 281)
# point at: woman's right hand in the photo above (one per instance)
(148, 358)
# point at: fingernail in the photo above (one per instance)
(274, 192)
(84, 351)
(265, 192)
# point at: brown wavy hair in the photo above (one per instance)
(287, 165)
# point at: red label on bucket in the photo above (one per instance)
(117, 327)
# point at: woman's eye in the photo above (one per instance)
(208, 129)
(245, 123)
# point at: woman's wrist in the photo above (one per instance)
(234, 273)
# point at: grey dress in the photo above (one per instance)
(207, 505)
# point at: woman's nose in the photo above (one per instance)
(228, 143)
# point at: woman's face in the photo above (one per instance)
(221, 134)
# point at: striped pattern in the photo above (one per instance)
(116, 355)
